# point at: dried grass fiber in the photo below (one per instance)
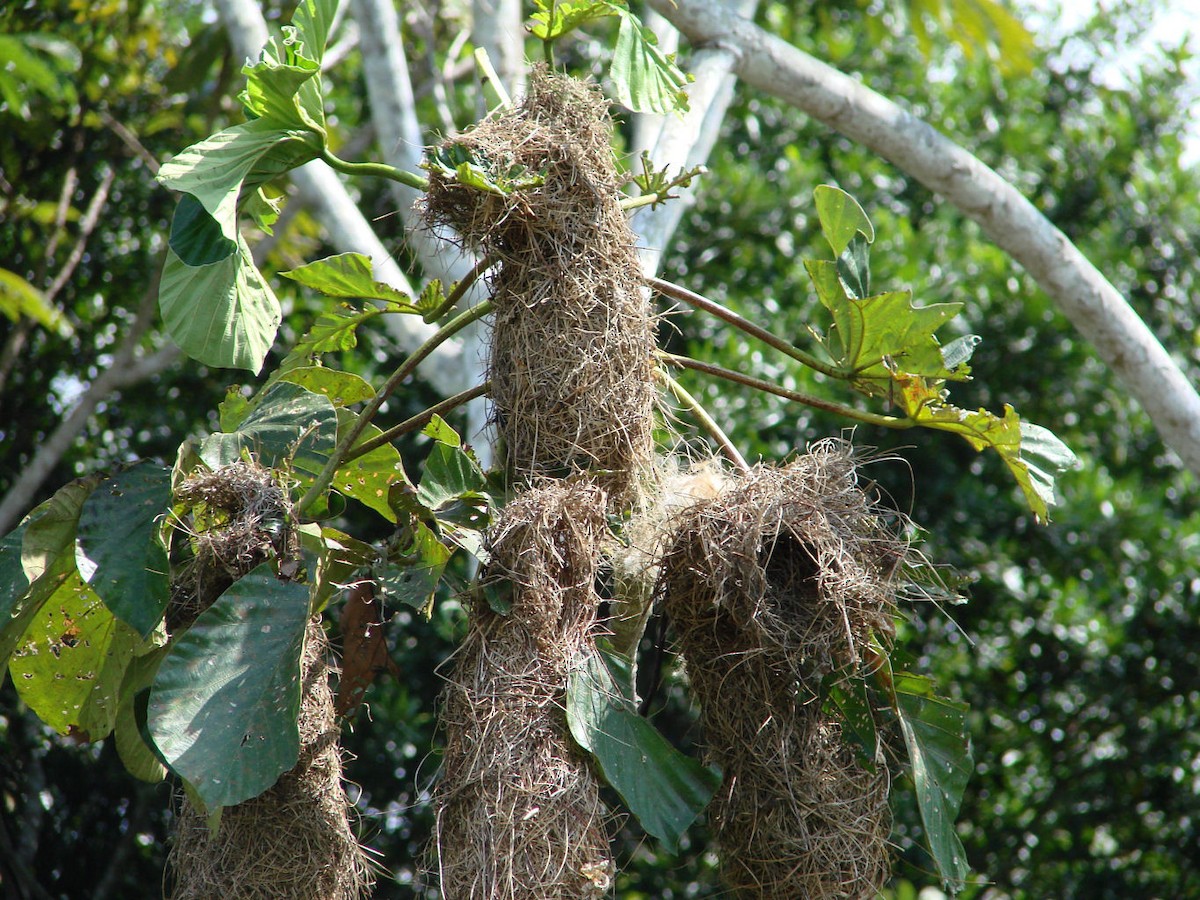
(293, 842)
(571, 359)
(518, 810)
(776, 582)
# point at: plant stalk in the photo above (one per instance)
(758, 384)
(463, 285)
(419, 420)
(339, 455)
(376, 170)
(706, 421)
(676, 292)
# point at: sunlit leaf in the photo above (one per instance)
(664, 788)
(556, 18)
(349, 275)
(342, 388)
(223, 707)
(644, 78)
(841, 217)
(19, 298)
(369, 478)
(70, 664)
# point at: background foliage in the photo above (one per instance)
(1076, 649)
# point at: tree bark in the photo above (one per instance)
(1094, 306)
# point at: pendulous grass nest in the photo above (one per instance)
(519, 815)
(778, 581)
(571, 359)
(293, 842)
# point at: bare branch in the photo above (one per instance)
(1095, 307)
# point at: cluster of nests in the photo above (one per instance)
(774, 578)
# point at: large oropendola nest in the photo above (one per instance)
(519, 815)
(781, 579)
(572, 348)
(293, 842)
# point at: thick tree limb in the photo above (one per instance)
(1095, 307)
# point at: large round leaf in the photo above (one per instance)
(223, 707)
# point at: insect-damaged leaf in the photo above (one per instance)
(223, 706)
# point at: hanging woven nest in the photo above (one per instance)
(519, 815)
(571, 361)
(785, 577)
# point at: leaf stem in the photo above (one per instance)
(706, 421)
(676, 292)
(758, 384)
(339, 455)
(377, 170)
(461, 288)
(419, 420)
(491, 77)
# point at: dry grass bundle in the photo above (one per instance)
(776, 582)
(571, 353)
(239, 513)
(518, 808)
(293, 842)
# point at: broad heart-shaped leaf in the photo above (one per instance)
(119, 551)
(349, 276)
(939, 750)
(223, 707)
(312, 21)
(665, 789)
(841, 217)
(37, 558)
(222, 314)
(342, 388)
(215, 169)
(289, 423)
(71, 662)
(369, 478)
(644, 78)
(873, 338)
(280, 87)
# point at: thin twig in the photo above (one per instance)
(676, 292)
(706, 421)
(758, 384)
(87, 225)
(419, 420)
(339, 455)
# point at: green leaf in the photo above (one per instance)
(665, 789)
(37, 558)
(442, 432)
(232, 411)
(369, 478)
(274, 87)
(333, 332)
(1042, 458)
(339, 557)
(644, 78)
(342, 388)
(452, 489)
(215, 170)
(556, 18)
(415, 568)
(313, 20)
(70, 664)
(36, 63)
(223, 707)
(349, 275)
(196, 237)
(289, 425)
(847, 697)
(119, 550)
(140, 759)
(222, 314)
(20, 298)
(939, 750)
(841, 217)
(854, 268)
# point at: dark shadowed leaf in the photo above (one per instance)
(223, 707)
(665, 789)
(120, 552)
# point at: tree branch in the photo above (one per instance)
(1095, 307)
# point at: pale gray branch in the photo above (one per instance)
(1095, 307)
(497, 26)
